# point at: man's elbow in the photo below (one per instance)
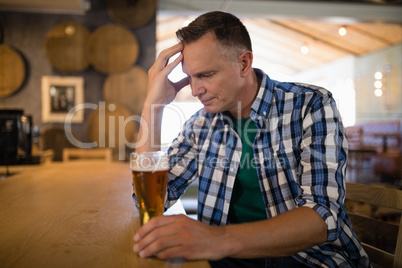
(322, 231)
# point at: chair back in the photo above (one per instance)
(375, 212)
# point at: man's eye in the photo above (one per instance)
(207, 75)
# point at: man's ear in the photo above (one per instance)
(246, 61)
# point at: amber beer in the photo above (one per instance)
(149, 172)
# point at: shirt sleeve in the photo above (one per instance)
(183, 155)
(323, 161)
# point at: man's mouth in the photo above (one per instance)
(206, 102)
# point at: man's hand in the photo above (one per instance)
(160, 89)
(178, 236)
(161, 92)
(181, 237)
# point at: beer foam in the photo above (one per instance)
(149, 169)
(147, 163)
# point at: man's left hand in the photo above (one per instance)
(178, 236)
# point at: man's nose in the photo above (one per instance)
(197, 88)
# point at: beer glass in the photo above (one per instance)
(149, 173)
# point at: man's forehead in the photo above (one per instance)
(198, 64)
(201, 56)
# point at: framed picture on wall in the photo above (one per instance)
(60, 95)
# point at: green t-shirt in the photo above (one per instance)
(246, 204)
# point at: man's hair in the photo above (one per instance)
(226, 28)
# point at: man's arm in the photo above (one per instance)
(181, 237)
(160, 92)
(283, 235)
(149, 137)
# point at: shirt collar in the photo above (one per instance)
(262, 103)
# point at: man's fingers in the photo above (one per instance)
(153, 225)
(169, 68)
(158, 247)
(170, 253)
(151, 238)
(178, 236)
(149, 226)
(164, 57)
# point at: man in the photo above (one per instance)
(270, 158)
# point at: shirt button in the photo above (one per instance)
(264, 113)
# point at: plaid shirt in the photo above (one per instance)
(300, 153)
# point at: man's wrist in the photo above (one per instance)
(153, 108)
(231, 244)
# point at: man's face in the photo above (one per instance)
(214, 79)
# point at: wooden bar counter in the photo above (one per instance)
(74, 214)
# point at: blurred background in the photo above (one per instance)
(94, 55)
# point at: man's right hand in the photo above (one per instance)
(160, 89)
(161, 92)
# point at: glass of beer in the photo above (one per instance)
(149, 172)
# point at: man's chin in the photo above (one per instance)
(211, 110)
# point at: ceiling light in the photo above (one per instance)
(342, 31)
(378, 75)
(304, 49)
(378, 92)
(378, 84)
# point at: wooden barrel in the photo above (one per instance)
(12, 70)
(106, 126)
(65, 47)
(133, 13)
(112, 48)
(128, 88)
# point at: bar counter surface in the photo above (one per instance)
(72, 214)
